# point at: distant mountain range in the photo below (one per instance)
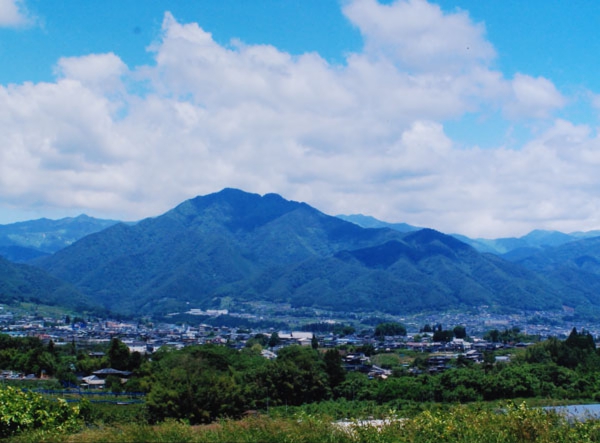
(237, 246)
(234, 246)
(511, 248)
(366, 221)
(24, 241)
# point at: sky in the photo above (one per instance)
(467, 116)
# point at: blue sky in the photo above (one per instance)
(474, 117)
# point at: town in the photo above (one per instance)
(326, 330)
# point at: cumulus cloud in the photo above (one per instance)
(97, 71)
(367, 136)
(533, 97)
(13, 13)
(419, 36)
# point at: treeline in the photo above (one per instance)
(29, 355)
(183, 381)
(202, 383)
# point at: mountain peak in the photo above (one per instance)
(428, 236)
(236, 209)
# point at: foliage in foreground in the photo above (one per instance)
(25, 411)
(461, 424)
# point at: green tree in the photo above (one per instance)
(261, 339)
(274, 340)
(460, 331)
(299, 376)
(199, 384)
(113, 384)
(334, 368)
(118, 354)
(443, 336)
(492, 335)
(583, 340)
(389, 329)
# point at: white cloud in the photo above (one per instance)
(13, 13)
(367, 136)
(419, 36)
(97, 71)
(533, 97)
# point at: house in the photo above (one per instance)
(93, 381)
(103, 373)
(357, 362)
(98, 378)
(295, 337)
(268, 354)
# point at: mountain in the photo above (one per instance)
(366, 221)
(575, 265)
(521, 246)
(24, 241)
(237, 246)
(511, 248)
(425, 270)
(582, 255)
(23, 283)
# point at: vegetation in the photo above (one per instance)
(236, 239)
(390, 329)
(28, 355)
(515, 423)
(218, 386)
(25, 411)
(22, 283)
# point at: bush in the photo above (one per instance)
(24, 411)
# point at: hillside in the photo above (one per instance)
(250, 247)
(510, 248)
(24, 241)
(23, 283)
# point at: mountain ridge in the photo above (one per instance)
(242, 246)
(512, 248)
(21, 283)
(23, 241)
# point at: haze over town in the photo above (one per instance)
(433, 113)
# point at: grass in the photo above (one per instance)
(514, 423)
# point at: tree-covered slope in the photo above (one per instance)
(574, 267)
(23, 283)
(248, 247)
(195, 251)
(422, 271)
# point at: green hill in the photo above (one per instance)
(251, 247)
(22, 283)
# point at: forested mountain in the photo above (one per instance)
(250, 247)
(23, 241)
(581, 255)
(511, 248)
(366, 221)
(23, 283)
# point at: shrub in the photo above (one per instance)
(24, 411)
